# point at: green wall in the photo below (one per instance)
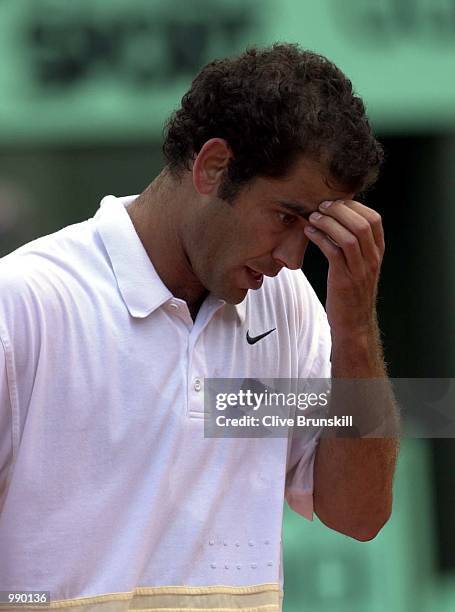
(90, 70)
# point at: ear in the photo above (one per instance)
(210, 165)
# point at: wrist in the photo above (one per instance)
(358, 353)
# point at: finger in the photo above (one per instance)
(345, 240)
(373, 218)
(332, 252)
(356, 224)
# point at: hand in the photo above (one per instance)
(351, 236)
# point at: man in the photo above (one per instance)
(112, 498)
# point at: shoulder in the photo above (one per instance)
(34, 277)
(298, 283)
(289, 291)
(290, 299)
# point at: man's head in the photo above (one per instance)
(259, 142)
(273, 106)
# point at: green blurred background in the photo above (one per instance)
(86, 86)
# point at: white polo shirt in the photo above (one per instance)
(111, 498)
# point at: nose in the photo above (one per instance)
(291, 250)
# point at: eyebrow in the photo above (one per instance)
(296, 207)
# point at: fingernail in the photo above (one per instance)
(325, 204)
(311, 229)
(316, 216)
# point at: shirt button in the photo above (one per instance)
(197, 384)
(173, 306)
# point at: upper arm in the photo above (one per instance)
(314, 355)
(6, 448)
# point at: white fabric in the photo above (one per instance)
(5, 425)
(109, 483)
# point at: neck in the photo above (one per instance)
(158, 217)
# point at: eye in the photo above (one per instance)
(286, 218)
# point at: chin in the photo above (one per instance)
(228, 287)
(237, 300)
(232, 296)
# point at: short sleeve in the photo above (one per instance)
(302, 448)
(6, 448)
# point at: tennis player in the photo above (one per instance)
(111, 496)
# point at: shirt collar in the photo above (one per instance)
(141, 288)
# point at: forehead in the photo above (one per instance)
(308, 184)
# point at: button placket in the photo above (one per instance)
(179, 309)
(196, 385)
(199, 361)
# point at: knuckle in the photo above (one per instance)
(350, 242)
(364, 228)
(335, 250)
(375, 263)
(376, 218)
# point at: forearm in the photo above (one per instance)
(353, 476)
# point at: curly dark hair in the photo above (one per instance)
(272, 105)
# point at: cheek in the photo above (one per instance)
(230, 244)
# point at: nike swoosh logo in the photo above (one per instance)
(255, 339)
